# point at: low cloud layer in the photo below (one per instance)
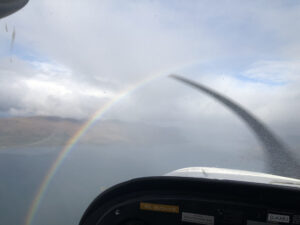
(71, 57)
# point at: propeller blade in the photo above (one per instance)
(280, 159)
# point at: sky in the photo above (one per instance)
(71, 57)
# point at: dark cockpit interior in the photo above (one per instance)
(185, 200)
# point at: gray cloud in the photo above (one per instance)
(71, 57)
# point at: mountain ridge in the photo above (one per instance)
(56, 131)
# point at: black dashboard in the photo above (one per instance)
(182, 200)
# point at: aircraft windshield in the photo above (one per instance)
(86, 100)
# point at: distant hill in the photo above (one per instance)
(53, 131)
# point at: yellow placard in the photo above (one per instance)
(159, 207)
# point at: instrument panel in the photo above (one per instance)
(181, 200)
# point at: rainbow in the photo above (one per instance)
(80, 132)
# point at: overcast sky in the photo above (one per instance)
(71, 57)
